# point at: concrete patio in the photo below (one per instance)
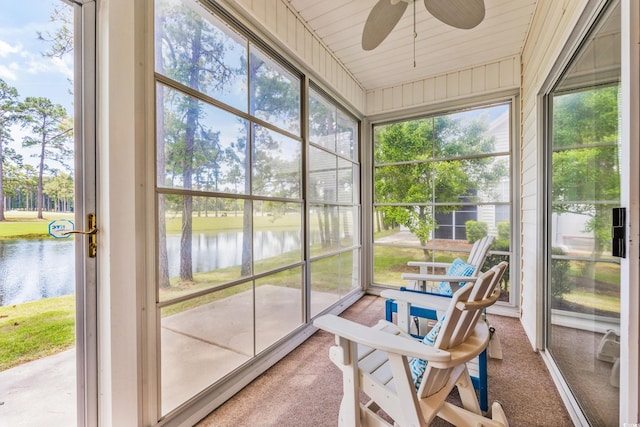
(302, 390)
(199, 346)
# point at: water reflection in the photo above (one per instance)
(34, 269)
(42, 268)
(211, 251)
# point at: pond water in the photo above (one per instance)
(220, 250)
(43, 268)
(34, 269)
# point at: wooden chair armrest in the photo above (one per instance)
(480, 304)
(380, 340)
(454, 281)
(429, 264)
(429, 267)
(469, 349)
(432, 301)
(436, 278)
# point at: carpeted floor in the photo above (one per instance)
(575, 352)
(304, 389)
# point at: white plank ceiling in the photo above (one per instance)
(439, 48)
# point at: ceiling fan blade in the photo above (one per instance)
(464, 14)
(381, 20)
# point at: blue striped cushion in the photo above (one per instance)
(418, 366)
(458, 268)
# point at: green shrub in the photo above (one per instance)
(504, 234)
(476, 230)
(504, 230)
(560, 283)
(501, 243)
(493, 260)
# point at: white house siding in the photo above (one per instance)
(500, 129)
(485, 79)
(551, 26)
(282, 23)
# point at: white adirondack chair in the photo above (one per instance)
(408, 304)
(476, 258)
(376, 361)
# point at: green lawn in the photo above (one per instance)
(232, 222)
(36, 329)
(390, 262)
(589, 299)
(605, 273)
(24, 224)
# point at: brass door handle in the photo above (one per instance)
(93, 240)
(92, 231)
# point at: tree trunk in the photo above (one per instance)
(246, 238)
(186, 264)
(335, 227)
(247, 213)
(321, 228)
(186, 268)
(163, 257)
(327, 227)
(2, 217)
(186, 261)
(40, 175)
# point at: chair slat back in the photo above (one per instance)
(479, 294)
(459, 322)
(479, 252)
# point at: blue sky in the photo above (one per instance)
(22, 64)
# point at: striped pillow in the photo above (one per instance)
(418, 366)
(457, 268)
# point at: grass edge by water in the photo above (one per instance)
(36, 329)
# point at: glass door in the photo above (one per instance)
(47, 190)
(583, 291)
(85, 210)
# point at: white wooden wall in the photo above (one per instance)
(551, 26)
(479, 80)
(276, 18)
(293, 36)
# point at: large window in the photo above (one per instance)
(333, 202)
(439, 184)
(237, 271)
(583, 280)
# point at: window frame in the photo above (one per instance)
(355, 204)
(247, 371)
(512, 307)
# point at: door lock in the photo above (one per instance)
(619, 223)
(93, 239)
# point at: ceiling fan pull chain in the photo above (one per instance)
(415, 34)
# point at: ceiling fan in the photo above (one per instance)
(384, 16)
